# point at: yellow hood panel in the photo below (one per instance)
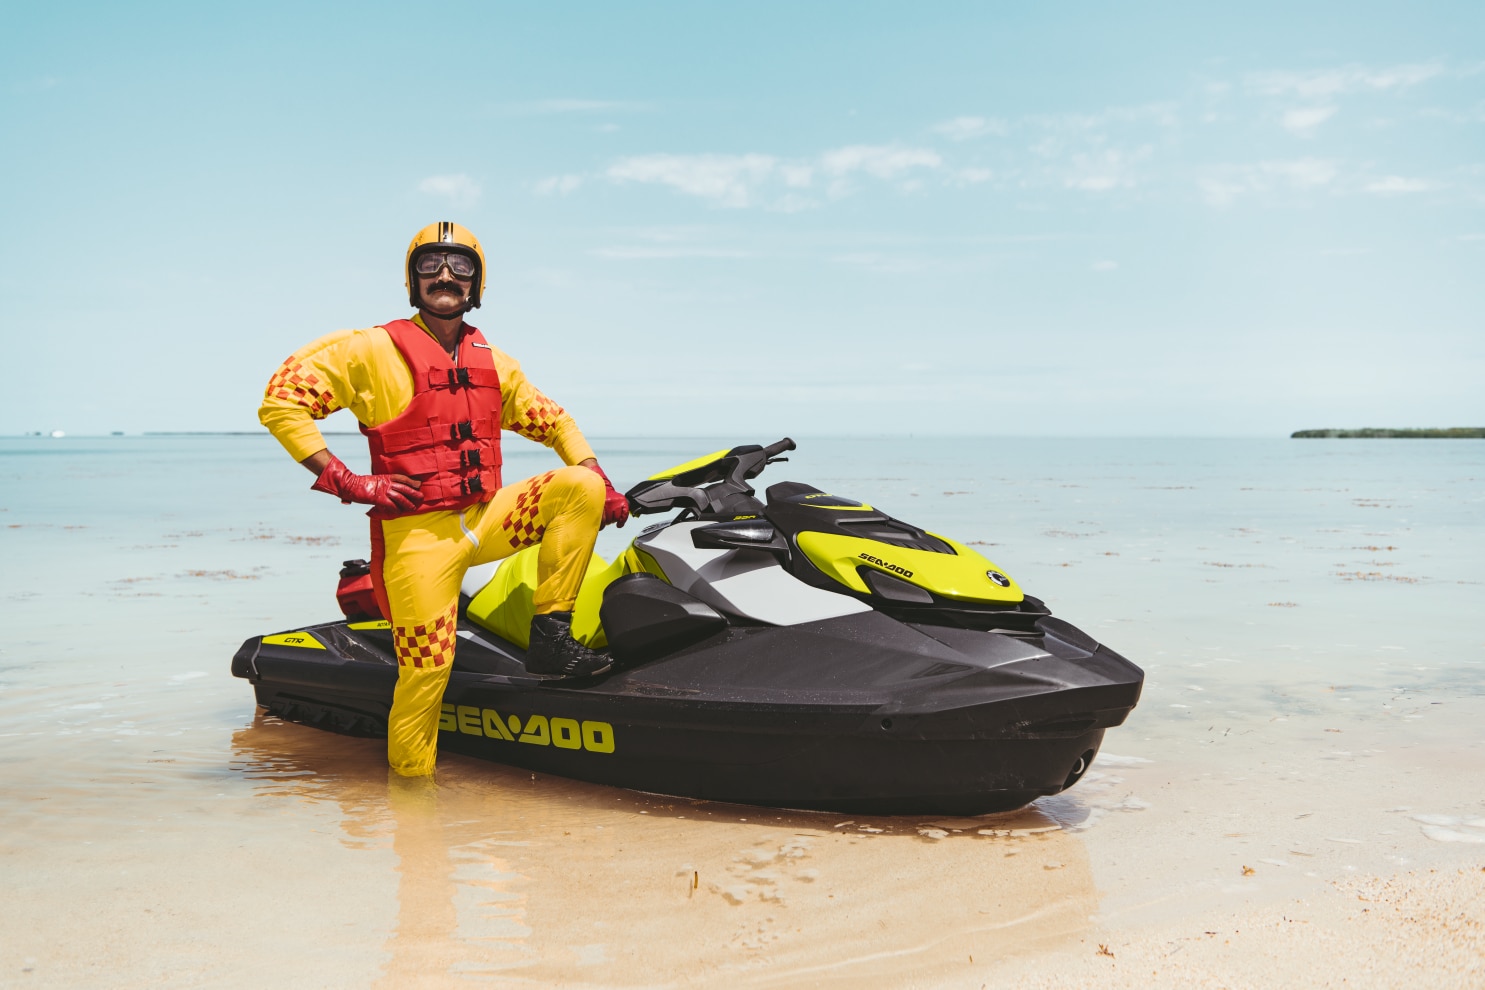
(961, 575)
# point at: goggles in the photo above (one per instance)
(461, 264)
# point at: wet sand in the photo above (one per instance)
(1297, 801)
(317, 857)
(302, 862)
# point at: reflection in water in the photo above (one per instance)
(545, 879)
(425, 946)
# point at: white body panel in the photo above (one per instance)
(478, 576)
(748, 583)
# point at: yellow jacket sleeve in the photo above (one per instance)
(525, 410)
(359, 370)
(306, 388)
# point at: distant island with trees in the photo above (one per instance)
(1371, 433)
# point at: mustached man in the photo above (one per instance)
(432, 396)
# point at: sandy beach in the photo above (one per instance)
(320, 870)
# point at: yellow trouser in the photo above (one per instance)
(418, 562)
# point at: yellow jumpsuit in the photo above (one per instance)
(419, 560)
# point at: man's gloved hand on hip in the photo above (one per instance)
(391, 491)
(615, 505)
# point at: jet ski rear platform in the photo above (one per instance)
(750, 671)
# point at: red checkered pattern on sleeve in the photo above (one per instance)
(427, 645)
(520, 522)
(539, 419)
(294, 383)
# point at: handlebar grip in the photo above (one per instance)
(775, 449)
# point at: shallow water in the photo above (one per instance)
(1307, 612)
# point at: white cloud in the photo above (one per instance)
(1105, 170)
(792, 203)
(1320, 84)
(878, 161)
(1226, 184)
(881, 161)
(971, 176)
(1397, 184)
(1093, 152)
(1105, 266)
(796, 176)
(737, 181)
(1304, 120)
(964, 128)
(1221, 192)
(1160, 114)
(459, 189)
(1302, 172)
(1093, 183)
(558, 185)
(727, 180)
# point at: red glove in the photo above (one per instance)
(615, 506)
(390, 491)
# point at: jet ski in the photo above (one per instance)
(805, 650)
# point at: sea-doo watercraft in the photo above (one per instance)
(806, 650)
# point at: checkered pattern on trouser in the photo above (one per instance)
(430, 645)
(537, 422)
(294, 384)
(520, 522)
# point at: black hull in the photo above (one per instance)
(861, 715)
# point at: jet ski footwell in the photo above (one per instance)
(858, 713)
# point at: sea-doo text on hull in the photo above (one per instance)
(810, 652)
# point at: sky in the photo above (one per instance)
(756, 219)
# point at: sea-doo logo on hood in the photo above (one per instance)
(998, 578)
(883, 564)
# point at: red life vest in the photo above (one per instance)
(448, 437)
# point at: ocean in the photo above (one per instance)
(1308, 614)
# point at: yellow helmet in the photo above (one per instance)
(445, 236)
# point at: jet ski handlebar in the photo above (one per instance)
(775, 449)
(703, 488)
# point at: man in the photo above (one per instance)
(432, 396)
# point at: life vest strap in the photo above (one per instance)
(437, 434)
(424, 464)
(454, 379)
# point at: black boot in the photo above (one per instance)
(554, 651)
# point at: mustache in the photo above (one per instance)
(446, 287)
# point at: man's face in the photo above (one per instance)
(444, 293)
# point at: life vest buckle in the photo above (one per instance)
(458, 378)
(469, 459)
(472, 486)
(462, 430)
